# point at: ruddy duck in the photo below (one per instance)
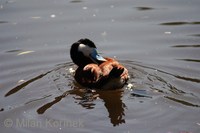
(95, 71)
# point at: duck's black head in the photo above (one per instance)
(84, 52)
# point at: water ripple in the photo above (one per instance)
(3, 22)
(190, 60)
(182, 101)
(148, 83)
(21, 86)
(180, 23)
(187, 46)
(76, 1)
(195, 35)
(144, 8)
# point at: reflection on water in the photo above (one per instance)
(114, 105)
(112, 101)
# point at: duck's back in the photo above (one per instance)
(107, 75)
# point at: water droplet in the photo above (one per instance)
(104, 33)
(85, 8)
(35, 17)
(53, 15)
(167, 32)
(130, 86)
(21, 81)
(25, 52)
(71, 70)
(112, 6)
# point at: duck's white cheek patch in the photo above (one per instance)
(86, 50)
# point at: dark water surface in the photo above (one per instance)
(157, 40)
